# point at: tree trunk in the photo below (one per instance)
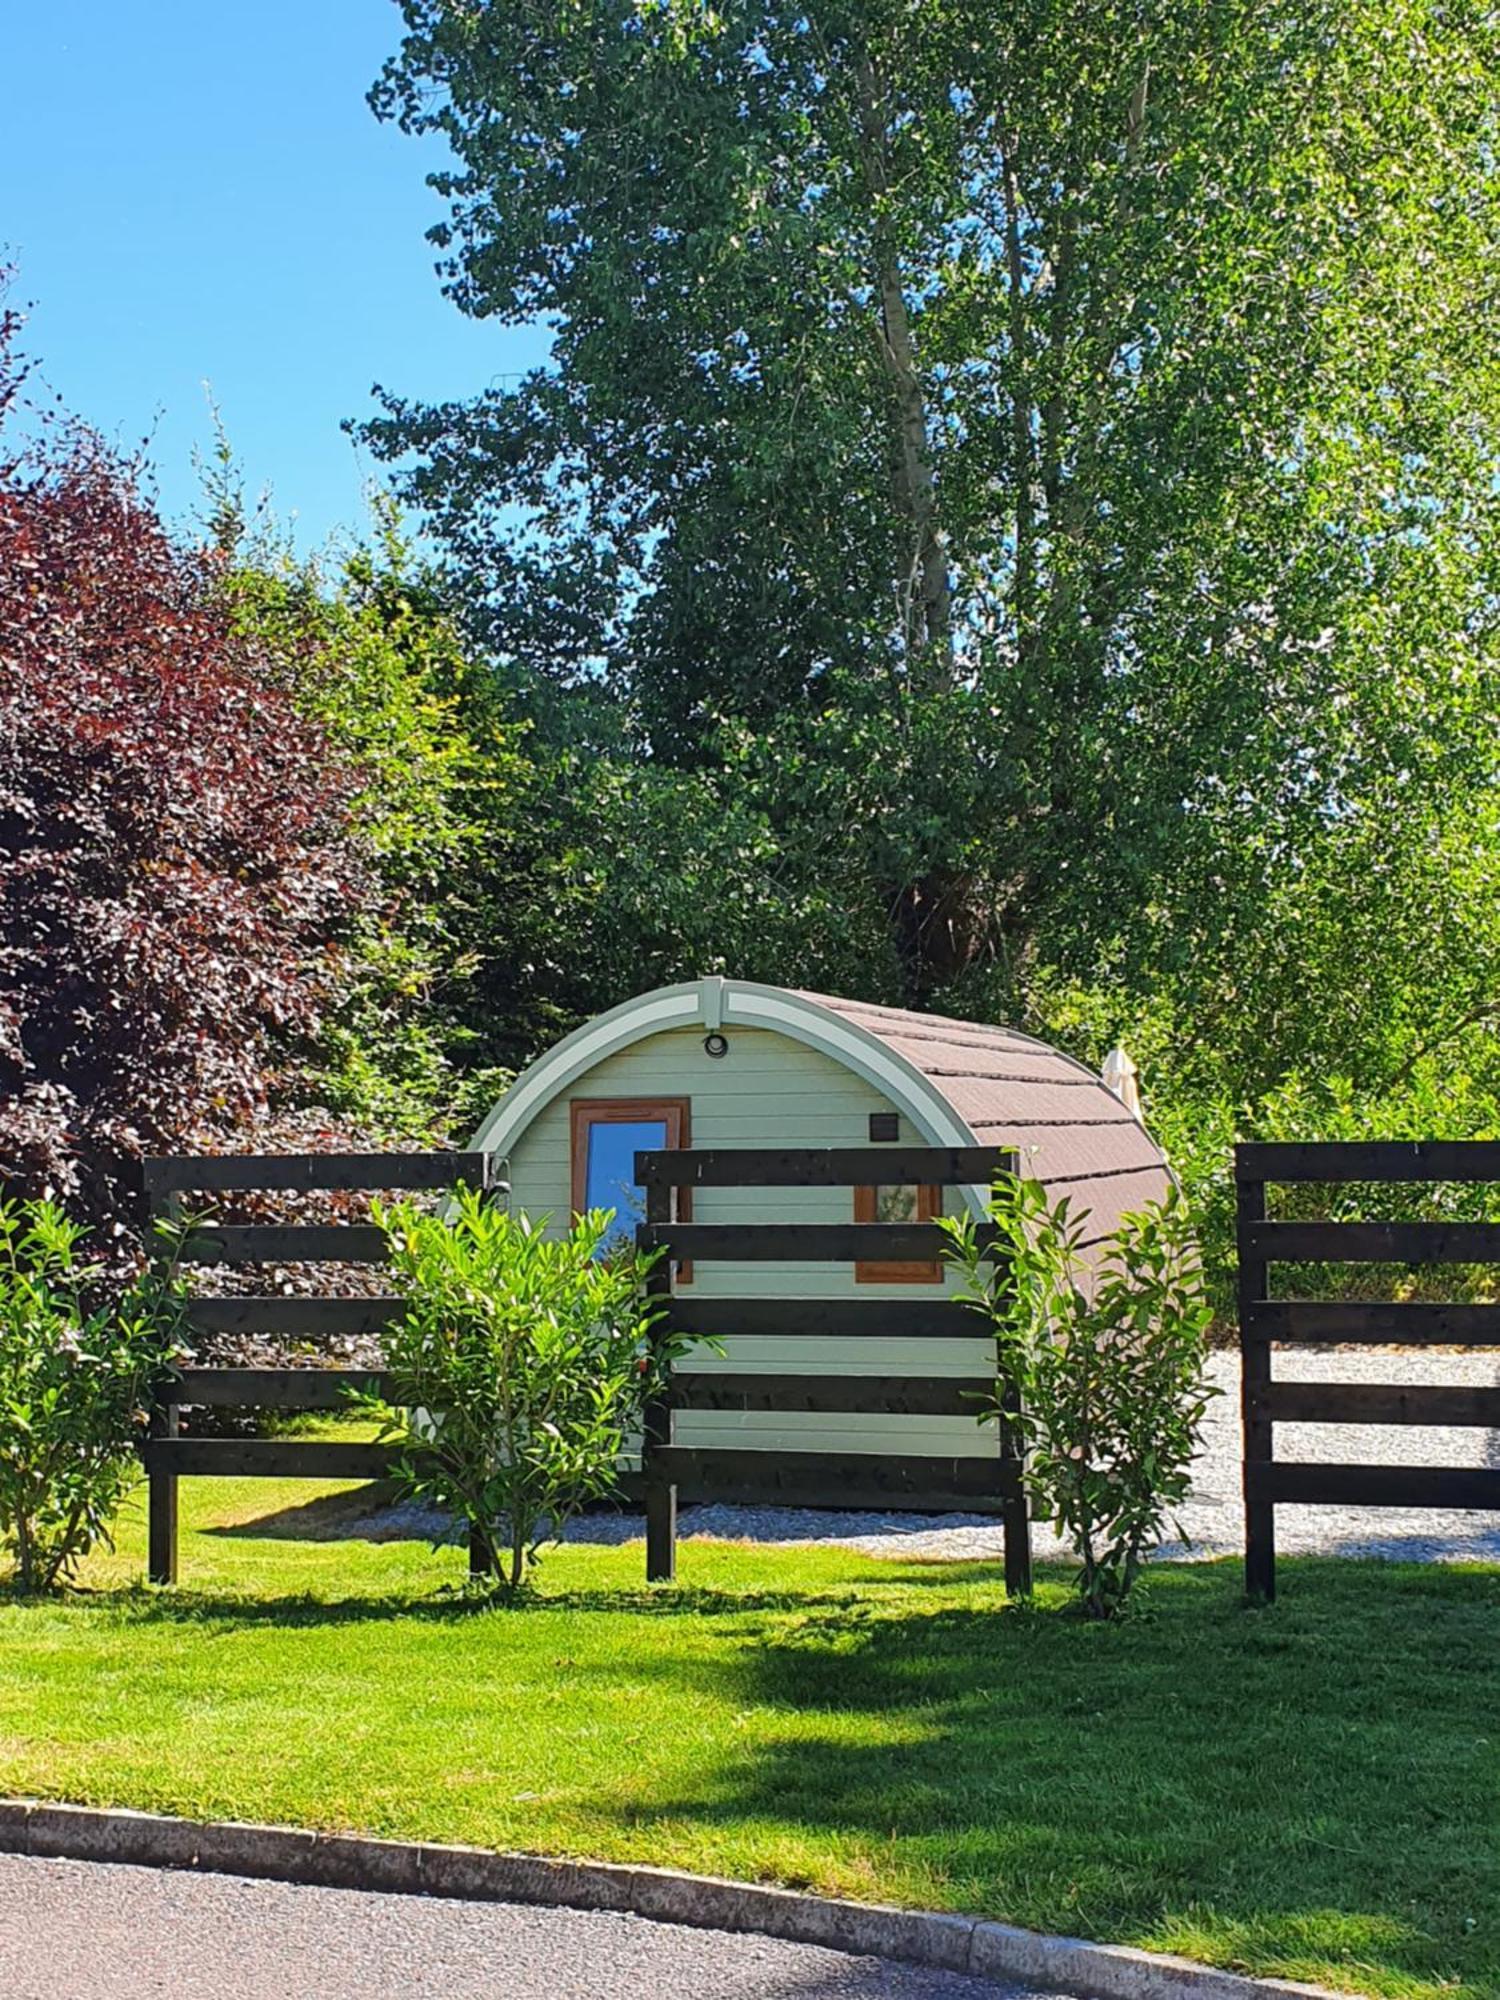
(937, 925)
(1021, 416)
(925, 591)
(932, 926)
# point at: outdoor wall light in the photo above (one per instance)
(716, 1045)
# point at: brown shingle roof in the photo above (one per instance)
(1072, 1133)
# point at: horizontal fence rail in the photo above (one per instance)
(1267, 1322)
(1371, 1323)
(1378, 1485)
(1377, 1403)
(267, 1458)
(801, 1242)
(1373, 1242)
(1392, 1160)
(315, 1173)
(293, 1318)
(823, 1166)
(854, 1395)
(828, 1319)
(170, 1187)
(841, 1479)
(286, 1243)
(815, 1477)
(270, 1388)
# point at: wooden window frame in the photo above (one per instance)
(929, 1207)
(676, 1113)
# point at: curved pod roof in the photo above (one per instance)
(958, 1083)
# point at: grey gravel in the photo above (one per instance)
(80, 1930)
(1212, 1522)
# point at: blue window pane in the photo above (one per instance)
(610, 1179)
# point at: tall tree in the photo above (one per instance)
(1064, 440)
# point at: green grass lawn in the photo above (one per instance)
(1311, 1790)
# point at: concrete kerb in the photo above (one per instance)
(346, 1861)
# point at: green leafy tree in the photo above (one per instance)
(1065, 440)
(75, 1383)
(1105, 1352)
(519, 1364)
(449, 807)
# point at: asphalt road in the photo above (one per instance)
(80, 1930)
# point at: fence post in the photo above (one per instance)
(1016, 1510)
(161, 1502)
(162, 1421)
(482, 1560)
(656, 1428)
(1015, 1503)
(1255, 1381)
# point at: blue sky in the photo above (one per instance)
(199, 193)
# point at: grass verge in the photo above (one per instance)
(1311, 1790)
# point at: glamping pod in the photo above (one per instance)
(727, 1062)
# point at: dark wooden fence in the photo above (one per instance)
(175, 1184)
(854, 1479)
(1267, 1322)
(818, 1478)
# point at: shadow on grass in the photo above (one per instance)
(330, 1517)
(140, 1605)
(376, 1513)
(1309, 1788)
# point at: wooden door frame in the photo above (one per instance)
(584, 1112)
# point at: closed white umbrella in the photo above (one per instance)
(1119, 1075)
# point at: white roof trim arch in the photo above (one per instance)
(724, 1004)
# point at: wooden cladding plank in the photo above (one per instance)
(1381, 1403)
(824, 1166)
(1376, 1485)
(1370, 1160)
(221, 1172)
(802, 1242)
(917, 1318)
(839, 1479)
(269, 1388)
(1373, 1242)
(305, 1319)
(854, 1395)
(1372, 1323)
(268, 1458)
(286, 1243)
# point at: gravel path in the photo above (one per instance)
(1213, 1520)
(83, 1930)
